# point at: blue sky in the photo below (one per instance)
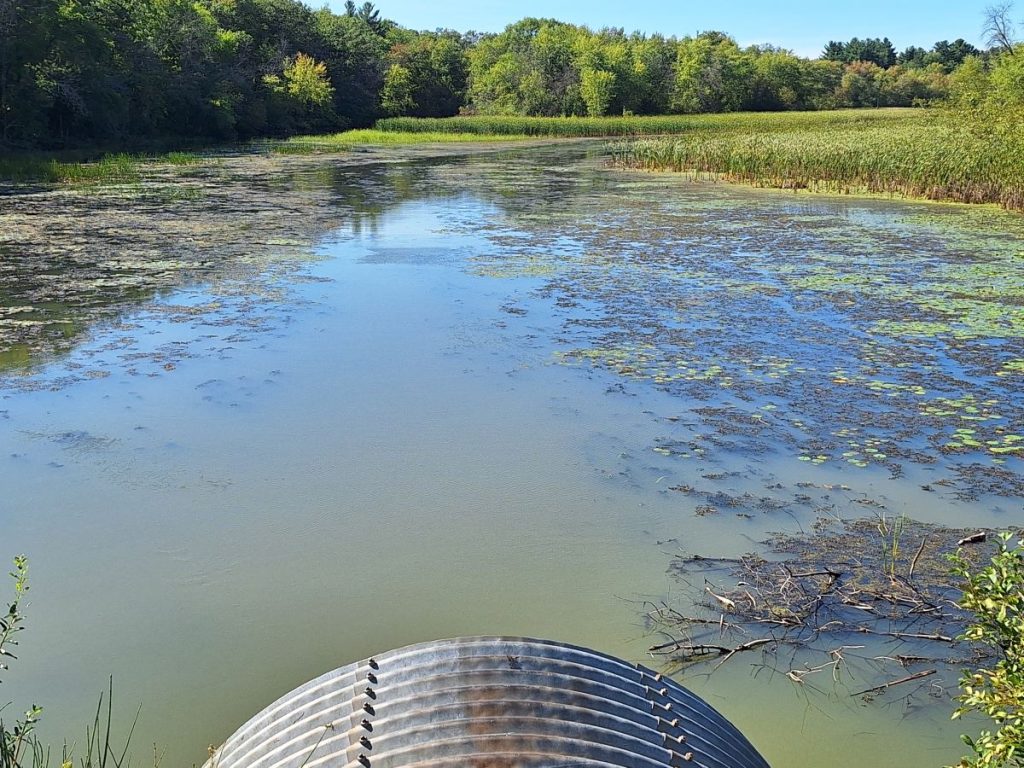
(801, 25)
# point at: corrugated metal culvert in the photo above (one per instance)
(491, 702)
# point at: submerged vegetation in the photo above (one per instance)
(875, 590)
(876, 595)
(908, 312)
(177, 218)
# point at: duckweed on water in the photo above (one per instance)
(59, 278)
(849, 334)
(1011, 367)
(860, 334)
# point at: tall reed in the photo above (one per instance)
(631, 125)
(939, 158)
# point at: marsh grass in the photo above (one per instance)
(650, 125)
(928, 155)
(117, 168)
(340, 142)
(932, 154)
(398, 131)
(179, 158)
(110, 168)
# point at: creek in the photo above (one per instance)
(269, 415)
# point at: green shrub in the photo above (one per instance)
(995, 595)
(19, 741)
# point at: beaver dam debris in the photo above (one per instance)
(869, 592)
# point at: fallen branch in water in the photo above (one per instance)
(707, 649)
(891, 683)
(844, 580)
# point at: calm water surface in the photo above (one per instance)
(459, 406)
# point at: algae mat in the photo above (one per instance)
(860, 333)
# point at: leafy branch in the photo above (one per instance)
(20, 739)
(995, 596)
(12, 622)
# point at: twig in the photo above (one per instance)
(974, 538)
(707, 649)
(328, 727)
(900, 681)
(913, 563)
(725, 601)
(905, 635)
(747, 646)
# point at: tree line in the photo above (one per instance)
(115, 72)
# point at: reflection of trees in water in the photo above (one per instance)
(77, 257)
(74, 258)
(514, 181)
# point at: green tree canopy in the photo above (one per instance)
(86, 72)
(878, 51)
(712, 75)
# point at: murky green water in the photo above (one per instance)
(281, 414)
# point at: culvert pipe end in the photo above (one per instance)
(488, 702)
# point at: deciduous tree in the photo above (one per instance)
(999, 29)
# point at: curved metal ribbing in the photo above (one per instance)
(488, 701)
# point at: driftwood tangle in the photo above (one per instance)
(877, 587)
